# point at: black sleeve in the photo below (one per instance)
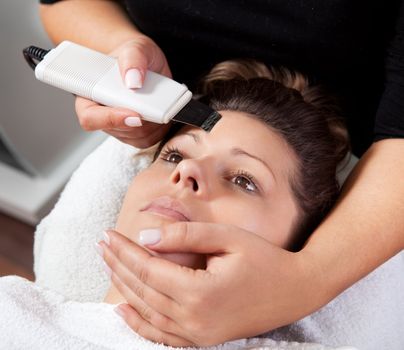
(389, 121)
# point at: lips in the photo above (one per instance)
(168, 207)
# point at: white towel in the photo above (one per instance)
(34, 318)
(370, 315)
(64, 255)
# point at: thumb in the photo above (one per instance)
(194, 237)
(133, 65)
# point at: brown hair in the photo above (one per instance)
(303, 115)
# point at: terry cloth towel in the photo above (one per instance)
(369, 315)
(34, 318)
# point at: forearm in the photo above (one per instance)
(99, 24)
(366, 227)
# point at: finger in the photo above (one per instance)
(141, 55)
(133, 64)
(122, 134)
(133, 140)
(197, 237)
(160, 321)
(146, 131)
(155, 318)
(148, 330)
(143, 137)
(152, 306)
(129, 282)
(156, 272)
(93, 116)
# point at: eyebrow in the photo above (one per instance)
(235, 151)
(196, 137)
(241, 152)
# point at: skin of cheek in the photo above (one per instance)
(261, 218)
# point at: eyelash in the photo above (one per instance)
(169, 150)
(246, 175)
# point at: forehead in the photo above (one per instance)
(241, 127)
(241, 130)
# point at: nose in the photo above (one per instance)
(190, 174)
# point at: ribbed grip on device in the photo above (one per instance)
(77, 70)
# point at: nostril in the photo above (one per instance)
(176, 178)
(184, 179)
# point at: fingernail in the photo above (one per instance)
(133, 121)
(99, 249)
(107, 269)
(119, 311)
(106, 238)
(149, 236)
(133, 79)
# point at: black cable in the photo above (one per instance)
(32, 53)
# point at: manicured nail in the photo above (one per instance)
(149, 236)
(106, 238)
(133, 79)
(107, 269)
(99, 249)
(133, 121)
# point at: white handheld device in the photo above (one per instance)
(93, 75)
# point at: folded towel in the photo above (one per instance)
(64, 255)
(370, 315)
(34, 318)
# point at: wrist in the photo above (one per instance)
(314, 280)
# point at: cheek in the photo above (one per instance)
(248, 215)
(267, 220)
(144, 184)
(138, 194)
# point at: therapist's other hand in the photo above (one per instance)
(249, 286)
(135, 57)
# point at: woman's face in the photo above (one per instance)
(237, 174)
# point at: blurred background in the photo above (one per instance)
(41, 142)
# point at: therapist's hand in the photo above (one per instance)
(248, 287)
(134, 58)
